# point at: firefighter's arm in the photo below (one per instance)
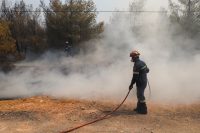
(135, 75)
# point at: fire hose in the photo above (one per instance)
(149, 89)
(107, 114)
(98, 118)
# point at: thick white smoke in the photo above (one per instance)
(174, 66)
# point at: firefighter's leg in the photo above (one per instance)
(138, 107)
(141, 105)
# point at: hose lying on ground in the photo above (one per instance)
(149, 89)
(98, 118)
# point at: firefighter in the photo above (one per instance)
(68, 49)
(140, 71)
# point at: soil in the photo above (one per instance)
(47, 114)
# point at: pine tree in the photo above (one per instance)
(36, 33)
(186, 16)
(8, 53)
(25, 26)
(74, 21)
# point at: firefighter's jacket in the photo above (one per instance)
(140, 71)
(68, 49)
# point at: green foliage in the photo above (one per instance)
(36, 33)
(25, 26)
(74, 21)
(76, 24)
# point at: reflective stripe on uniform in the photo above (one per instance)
(143, 101)
(143, 68)
(135, 72)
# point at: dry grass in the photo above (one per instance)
(52, 114)
(50, 104)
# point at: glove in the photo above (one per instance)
(130, 87)
(147, 70)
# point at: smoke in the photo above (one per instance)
(107, 71)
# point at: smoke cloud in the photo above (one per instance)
(107, 71)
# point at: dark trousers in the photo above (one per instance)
(141, 104)
(140, 93)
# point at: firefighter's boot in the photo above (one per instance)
(143, 108)
(138, 107)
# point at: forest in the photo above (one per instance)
(24, 30)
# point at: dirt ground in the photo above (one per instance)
(46, 114)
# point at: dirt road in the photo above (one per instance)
(45, 114)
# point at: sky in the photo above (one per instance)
(110, 5)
